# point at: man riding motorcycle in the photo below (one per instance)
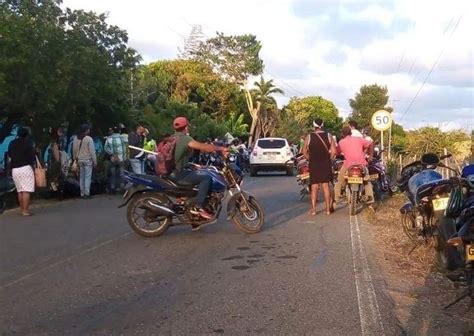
(354, 149)
(185, 145)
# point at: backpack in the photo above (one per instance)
(165, 163)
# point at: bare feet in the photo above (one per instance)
(312, 212)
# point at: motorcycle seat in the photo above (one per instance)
(173, 180)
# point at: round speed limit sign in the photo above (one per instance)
(382, 120)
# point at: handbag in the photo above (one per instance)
(74, 164)
(40, 174)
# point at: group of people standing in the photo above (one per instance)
(79, 155)
(320, 149)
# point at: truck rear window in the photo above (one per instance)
(277, 143)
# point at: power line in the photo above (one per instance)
(432, 67)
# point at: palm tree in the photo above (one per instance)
(267, 113)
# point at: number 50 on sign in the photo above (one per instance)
(381, 120)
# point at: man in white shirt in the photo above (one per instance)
(354, 131)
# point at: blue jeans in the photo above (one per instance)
(115, 172)
(138, 166)
(85, 176)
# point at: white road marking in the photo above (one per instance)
(65, 260)
(369, 313)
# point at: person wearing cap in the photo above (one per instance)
(137, 158)
(319, 149)
(84, 150)
(185, 145)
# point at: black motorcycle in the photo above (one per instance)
(6, 186)
(379, 178)
(456, 233)
(463, 242)
(427, 193)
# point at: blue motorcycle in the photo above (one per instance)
(155, 203)
(428, 195)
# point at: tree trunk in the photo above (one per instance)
(254, 114)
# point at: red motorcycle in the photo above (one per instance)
(357, 177)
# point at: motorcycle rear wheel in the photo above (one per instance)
(353, 203)
(254, 215)
(141, 223)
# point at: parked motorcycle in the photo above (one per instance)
(427, 193)
(456, 233)
(463, 241)
(155, 203)
(302, 167)
(378, 176)
(6, 186)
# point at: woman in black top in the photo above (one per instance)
(22, 159)
(319, 149)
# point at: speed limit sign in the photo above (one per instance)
(382, 120)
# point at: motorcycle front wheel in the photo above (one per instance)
(143, 220)
(249, 216)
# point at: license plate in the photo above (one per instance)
(303, 176)
(470, 252)
(440, 203)
(374, 176)
(354, 180)
(271, 157)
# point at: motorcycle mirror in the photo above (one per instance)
(429, 159)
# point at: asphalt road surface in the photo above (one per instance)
(76, 268)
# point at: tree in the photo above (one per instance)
(58, 65)
(298, 116)
(192, 43)
(368, 100)
(235, 58)
(433, 140)
(235, 125)
(268, 111)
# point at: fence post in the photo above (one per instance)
(400, 164)
(446, 172)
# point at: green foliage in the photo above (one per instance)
(433, 140)
(234, 57)
(202, 127)
(59, 65)
(368, 100)
(236, 125)
(298, 115)
(186, 82)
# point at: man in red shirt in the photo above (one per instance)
(355, 150)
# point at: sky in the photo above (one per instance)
(421, 50)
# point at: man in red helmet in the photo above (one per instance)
(185, 144)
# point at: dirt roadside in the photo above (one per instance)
(415, 283)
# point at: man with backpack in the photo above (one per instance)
(116, 150)
(173, 157)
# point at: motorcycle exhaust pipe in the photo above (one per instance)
(159, 208)
(406, 208)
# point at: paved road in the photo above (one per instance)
(76, 268)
